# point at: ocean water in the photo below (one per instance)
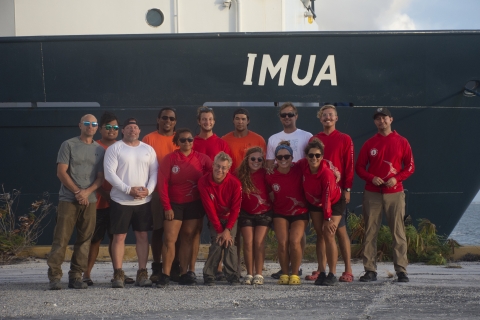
(467, 231)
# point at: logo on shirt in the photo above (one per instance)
(373, 152)
(175, 169)
(212, 196)
(276, 187)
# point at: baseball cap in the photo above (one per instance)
(383, 111)
(130, 121)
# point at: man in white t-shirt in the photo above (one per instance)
(298, 140)
(131, 168)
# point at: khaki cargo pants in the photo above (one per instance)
(71, 215)
(393, 204)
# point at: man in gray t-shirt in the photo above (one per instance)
(80, 171)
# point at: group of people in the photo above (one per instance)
(170, 180)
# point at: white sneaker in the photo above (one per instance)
(258, 279)
(248, 279)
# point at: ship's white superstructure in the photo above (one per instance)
(83, 17)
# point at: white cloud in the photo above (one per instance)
(400, 22)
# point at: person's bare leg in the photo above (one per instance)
(281, 232)
(187, 235)
(297, 231)
(331, 247)
(92, 257)
(171, 230)
(247, 234)
(317, 219)
(195, 244)
(238, 242)
(259, 248)
(344, 244)
(142, 248)
(118, 250)
(157, 245)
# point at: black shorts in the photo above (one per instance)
(338, 209)
(292, 219)
(121, 217)
(253, 220)
(102, 224)
(188, 211)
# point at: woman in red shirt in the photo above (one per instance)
(326, 204)
(255, 214)
(290, 213)
(178, 175)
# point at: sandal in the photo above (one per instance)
(294, 279)
(258, 279)
(88, 281)
(312, 277)
(284, 279)
(346, 277)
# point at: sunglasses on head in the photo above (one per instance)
(253, 159)
(290, 115)
(110, 127)
(183, 140)
(205, 109)
(285, 156)
(167, 118)
(88, 123)
(316, 155)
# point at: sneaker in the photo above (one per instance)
(248, 279)
(142, 279)
(209, 281)
(175, 272)
(330, 280)
(258, 279)
(320, 279)
(77, 283)
(369, 276)
(156, 271)
(220, 276)
(118, 279)
(234, 281)
(277, 274)
(188, 279)
(164, 281)
(402, 277)
(54, 285)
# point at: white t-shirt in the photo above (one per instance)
(298, 140)
(126, 166)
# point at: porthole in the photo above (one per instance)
(154, 17)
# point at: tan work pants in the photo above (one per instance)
(393, 204)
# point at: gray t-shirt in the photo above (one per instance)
(84, 162)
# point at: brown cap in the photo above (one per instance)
(130, 121)
(383, 111)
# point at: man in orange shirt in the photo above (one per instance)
(162, 142)
(242, 139)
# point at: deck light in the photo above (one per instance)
(472, 88)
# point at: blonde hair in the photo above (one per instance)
(286, 105)
(325, 107)
(243, 171)
(222, 156)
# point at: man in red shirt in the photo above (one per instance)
(221, 195)
(339, 155)
(390, 161)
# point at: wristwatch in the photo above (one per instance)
(348, 189)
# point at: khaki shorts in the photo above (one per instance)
(158, 214)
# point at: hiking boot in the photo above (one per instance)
(188, 279)
(277, 274)
(330, 280)
(156, 271)
(234, 281)
(54, 285)
(118, 279)
(175, 271)
(402, 277)
(209, 281)
(320, 279)
(142, 279)
(369, 276)
(164, 281)
(220, 276)
(77, 283)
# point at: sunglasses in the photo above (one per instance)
(183, 140)
(290, 115)
(110, 127)
(257, 159)
(205, 109)
(286, 157)
(87, 123)
(167, 118)
(316, 155)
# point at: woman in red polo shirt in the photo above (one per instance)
(255, 214)
(290, 213)
(325, 202)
